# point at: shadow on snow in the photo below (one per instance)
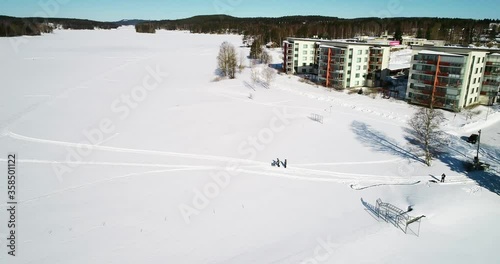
(379, 141)
(455, 155)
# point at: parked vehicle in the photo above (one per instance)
(473, 138)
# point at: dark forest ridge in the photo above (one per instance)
(454, 30)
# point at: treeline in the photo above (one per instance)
(453, 30)
(32, 26)
(146, 27)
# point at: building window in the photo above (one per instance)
(483, 59)
(366, 52)
(358, 67)
(365, 67)
(304, 52)
(470, 101)
(312, 52)
(357, 75)
(304, 64)
(366, 59)
(475, 79)
(305, 46)
(358, 60)
(477, 70)
(357, 83)
(360, 52)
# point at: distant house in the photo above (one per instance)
(271, 45)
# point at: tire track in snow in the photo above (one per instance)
(102, 181)
(350, 162)
(296, 172)
(342, 103)
(131, 164)
(131, 150)
(182, 155)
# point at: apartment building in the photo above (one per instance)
(348, 65)
(411, 41)
(452, 78)
(337, 63)
(490, 93)
(300, 56)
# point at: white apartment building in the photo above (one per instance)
(452, 78)
(337, 63)
(410, 41)
(300, 56)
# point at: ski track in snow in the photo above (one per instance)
(101, 181)
(342, 103)
(355, 187)
(330, 99)
(259, 168)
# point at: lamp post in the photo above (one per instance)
(478, 143)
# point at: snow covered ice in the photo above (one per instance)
(129, 152)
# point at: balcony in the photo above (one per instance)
(492, 83)
(440, 94)
(445, 74)
(426, 62)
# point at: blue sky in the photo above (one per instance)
(111, 10)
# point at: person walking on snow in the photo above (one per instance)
(442, 177)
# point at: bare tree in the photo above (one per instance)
(265, 57)
(241, 63)
(226, 60)
(425, 125)
(255, 75)
(269, 75)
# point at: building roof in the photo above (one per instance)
(332, 42)
(454, 49)
(432, 52)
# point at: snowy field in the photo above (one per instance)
(128, 152)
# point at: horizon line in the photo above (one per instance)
(252, 17)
